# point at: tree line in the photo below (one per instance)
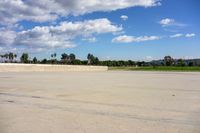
(71, 59)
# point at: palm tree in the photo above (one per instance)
(89, 56)
(6, 55)
(54, 55)
(53, 58)
(51, 55)
(15, 55)
(11, 56)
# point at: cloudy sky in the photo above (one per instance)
(110, 29)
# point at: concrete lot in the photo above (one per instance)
(100, 102)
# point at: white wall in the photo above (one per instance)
(11, 67)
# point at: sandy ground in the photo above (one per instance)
(100, 102)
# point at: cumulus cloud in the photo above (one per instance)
(129, 39)
(59, 36)
(41, 37)
(166, 22)
(176, 35)
(13, 11)
(124, 17)
(90, 39)
(6, 37)
(190, 35)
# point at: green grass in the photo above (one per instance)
(158, 68)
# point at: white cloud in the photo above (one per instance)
(170, 22)
(6, 37)
(124, 17)
(59, 36)
(90, 39)
(148, 58)
(41, 37)
(180, 35)
(190, 35)
(129, 39)
(13, 11)
(167, 22)
(176, 35)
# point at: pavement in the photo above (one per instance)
(100, 102)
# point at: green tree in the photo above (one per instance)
(96, 61)
(44, 61)
(34, 60)
(6, 55)
(131, 63)
(64, 58)
(15, 56)
(181, 62)
(191, 63)
(11, 56)
(24, 58)
(168, 60)
(53, 56)
(76, 62)
(92, 60)
(72, 57)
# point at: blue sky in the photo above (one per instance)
(129, 29)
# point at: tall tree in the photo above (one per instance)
(64, 58)
(92, 60)
(6, 55)
(54, 55)
(72, 57)
(24, 58)
(34, 60)
(15, 56)
(11, 56)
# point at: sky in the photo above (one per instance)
(109, 29)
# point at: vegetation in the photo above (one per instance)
(9, 56)
(168, 60)
(92, 60)
(68, 59)
(166, 64)
(35, 60)
(24, 58)
(157, 68)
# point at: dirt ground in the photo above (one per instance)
(100, 102)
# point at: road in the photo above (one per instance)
(100, 102)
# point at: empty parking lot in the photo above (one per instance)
(99, 102)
